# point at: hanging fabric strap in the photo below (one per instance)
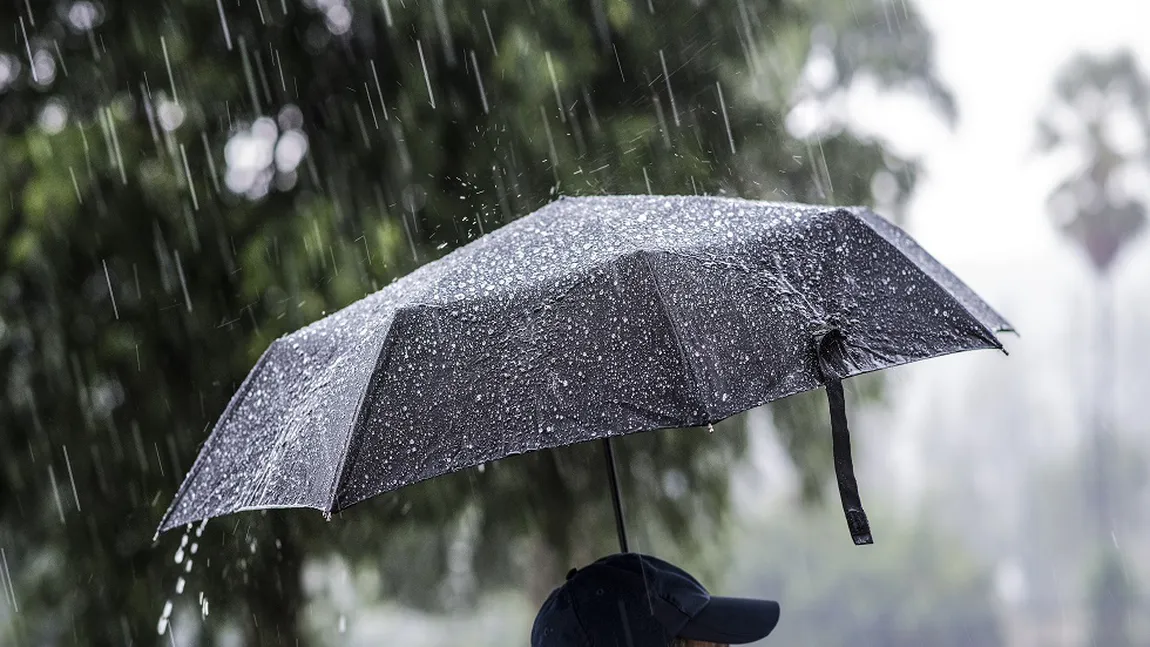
(830, 345)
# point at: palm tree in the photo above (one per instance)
(1099, 111)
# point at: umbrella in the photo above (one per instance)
(589, 319)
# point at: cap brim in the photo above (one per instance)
(732, 621)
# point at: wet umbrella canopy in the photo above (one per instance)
(591, 318)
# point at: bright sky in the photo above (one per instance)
(1000, 57)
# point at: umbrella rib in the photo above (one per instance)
(350, 446)
(645, 256)
(688, 368)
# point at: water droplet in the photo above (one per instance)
(162, 625)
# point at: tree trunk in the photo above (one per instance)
(1103, 336)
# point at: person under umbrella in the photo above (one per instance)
(591, 319)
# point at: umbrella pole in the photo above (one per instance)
(616, 500)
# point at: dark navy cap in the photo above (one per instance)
(632, 600)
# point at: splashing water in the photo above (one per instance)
(162, 625)
(183, 556)
(179, 558)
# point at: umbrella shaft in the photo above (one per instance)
(616, 500)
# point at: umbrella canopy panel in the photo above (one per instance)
(592, 317)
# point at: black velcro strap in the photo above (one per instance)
(844, 466)
(829, 344)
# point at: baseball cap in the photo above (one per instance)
(634, 600)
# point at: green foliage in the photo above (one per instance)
(144, 266)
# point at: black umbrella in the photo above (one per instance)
(591, 318)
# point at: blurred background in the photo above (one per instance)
(183, 181)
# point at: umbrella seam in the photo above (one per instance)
(689, 369)
(645, 256)
(350, 446)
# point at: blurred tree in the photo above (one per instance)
(1113, 602)
(1100, 112)
(182, 182)
(916, 587)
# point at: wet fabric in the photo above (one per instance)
(592, 317)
